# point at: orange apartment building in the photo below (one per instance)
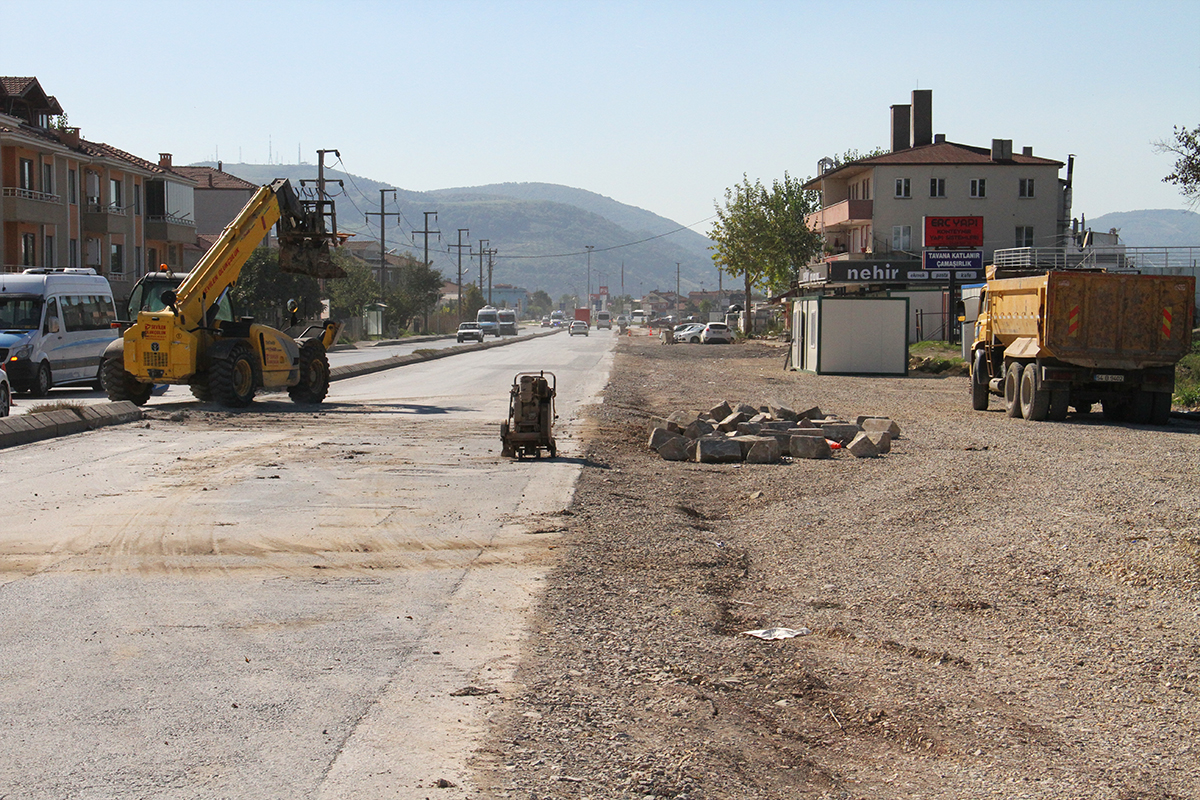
(68, 202)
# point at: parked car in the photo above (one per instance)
(689, 332)
(470, 330)
(578, 326)
(716, 333)
(5, 394)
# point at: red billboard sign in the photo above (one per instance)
(956, 232)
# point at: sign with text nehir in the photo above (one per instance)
(957, 232)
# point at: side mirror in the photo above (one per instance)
(168, 297)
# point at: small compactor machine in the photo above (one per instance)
(530, 416)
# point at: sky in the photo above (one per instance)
(661, 105)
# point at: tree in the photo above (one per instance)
(540, 303)
(1186, 145)
(414, 294)
(350, 294)
(472, 301)
(263, 291)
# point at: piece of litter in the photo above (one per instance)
(777, 633)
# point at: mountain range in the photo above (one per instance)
(539, 230)
(1162, 227)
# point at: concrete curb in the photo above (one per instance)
(368, 367)
(51, 424)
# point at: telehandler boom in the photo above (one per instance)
(195, 340)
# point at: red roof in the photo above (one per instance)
(209, 178)
(938, 153)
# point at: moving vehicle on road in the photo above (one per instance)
(716, 333)
(5, 394)
(546, 321)
(603, 320)
(557, 319)
(489, 320)
(578, 327)
(195, 340)
(470, 330)
(506, 322)
(55, 324)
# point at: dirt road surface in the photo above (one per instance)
(997, 609)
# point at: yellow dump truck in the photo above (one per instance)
(1067, 339)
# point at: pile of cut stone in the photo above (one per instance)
(733, 433)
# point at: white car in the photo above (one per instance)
(577, 327)
(5, 394)
(688, 333)
(715, 332)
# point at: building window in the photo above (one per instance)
(1024, 236)
(937, 187)
(138, 269)
(903, 189)
(116, 263)
(137, 199)
(867, 189)
(978, 187)
(73, 254)
(1026, 188)
(48, 259)
(26, 176)
(902, 237)
(48, 178)
(115, 198)
(72, 187)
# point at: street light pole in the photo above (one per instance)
(589, 279)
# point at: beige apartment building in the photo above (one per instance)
(873, 210)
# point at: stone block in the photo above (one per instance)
(861, 446)
(765, 451)
(840, 431)
(777, 425)
(880, 424)
(780, 411)
(747, 442)
(811, 413)
(730, 423)
(809, 447)
(881, 439)
(718, 451)
(720, 411)
(749, 428)
(664, 424)
(760, 418)
(683, 418)
(747, 409)
(674, 449)
(698, 428)
(812, 430)
(660, 436)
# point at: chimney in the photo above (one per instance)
(164, 160)
(220, 167)
(1027, 151)
(1001, 149)
(922, 117)
(900, 137)
(69, 136)
(939, 138)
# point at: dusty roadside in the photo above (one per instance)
(998, 608)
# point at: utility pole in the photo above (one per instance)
(678, 307)
(483, 243)
(323, 200)
(459, 247)
(383, 215)
(427, 232)
(490, 253)
(589, 278)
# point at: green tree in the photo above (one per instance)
(472, 301)
(263, 291)
(348, 295)
(1186, 174)
(540, 304)
(415, 294)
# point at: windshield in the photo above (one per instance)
(20, 312)
(147, 296)
(485, 316)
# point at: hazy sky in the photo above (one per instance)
(660, 105)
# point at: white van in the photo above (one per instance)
(603, 320)
(54, 326)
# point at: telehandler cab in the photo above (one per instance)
(193, 339)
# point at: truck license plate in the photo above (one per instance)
(1102, 378)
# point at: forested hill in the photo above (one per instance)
(1163, 227)
(539, 230)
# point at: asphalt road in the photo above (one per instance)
(279, 603)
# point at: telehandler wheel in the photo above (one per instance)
(314, 374)
(979, 382)
(120, 385)
(1035, 401)
(1012, 389)
(200, 390)
(232, 380)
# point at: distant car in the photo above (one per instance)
(470, 330)
(604, 320)
(689, 333)
(5, 394)
(716, 333)
(623, 320)
(578, 326)
(546, 321)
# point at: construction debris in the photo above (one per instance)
(731, 433)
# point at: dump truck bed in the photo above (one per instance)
(1096, 319)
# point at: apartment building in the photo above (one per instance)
(874, 211)
(69, 202)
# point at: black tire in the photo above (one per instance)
(1035, 401)
(120, 385)
(1115, 409)
(1141, 409)
(233, 380)
(979, 382)
(553, 449)
(43, 381)
(694, 340)
(1162, 409)
(5, 400)
(314, 374)
(200, 390)
(98, 383)
(1012, 389)
(1060, 401)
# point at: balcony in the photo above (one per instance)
(171, 229)
(841, 215)
(26, 205)
(99, 218)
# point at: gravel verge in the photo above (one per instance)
(997, 608)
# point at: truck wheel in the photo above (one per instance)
(232, 380)
(1035, 401)
(120, 385)
(1060, 401)
(314, 374)
(1162, 409)
(1141, 410)
(979, 383)
(5, 400)
(42, 381)
(1012, 389)
(1116, 409)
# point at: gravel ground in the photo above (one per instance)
(997, 608)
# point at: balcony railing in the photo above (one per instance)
(29, 194)
(843, 213)
(100, 208)
(171, 219)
